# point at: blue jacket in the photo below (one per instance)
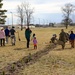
(6, 32)
(72, 36)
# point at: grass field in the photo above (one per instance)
(57, 62)
(54, 63)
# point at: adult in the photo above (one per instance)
(12, 35)
(27, 35)
(72, 38)
(62, 38)
(2, 37)
(6, 34)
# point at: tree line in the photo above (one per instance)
(25, 12)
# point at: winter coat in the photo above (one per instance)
(27, 33)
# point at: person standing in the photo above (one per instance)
(62, 38)
(35, 43)
(2, 37)
(33, 36)
(72, 39)
(12, 35)
(7, 34)
(27, 35)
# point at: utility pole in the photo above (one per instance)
(12, 17)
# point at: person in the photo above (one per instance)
(35, 43)
(12, 35)
(53, 38)
(72, 39)
(7, 34)
(33, 36)
(62, 38)
(27, 35)
(2, 37)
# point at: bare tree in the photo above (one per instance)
(20, 12)
(28, 11)
(25, 13)
(67, 10)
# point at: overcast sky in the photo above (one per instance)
(45, 11)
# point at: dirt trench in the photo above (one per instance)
(16, 67)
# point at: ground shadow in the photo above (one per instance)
(6, 46)
(23, 49)
(20, 48)
(60, 49)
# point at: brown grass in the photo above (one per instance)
(57, 62)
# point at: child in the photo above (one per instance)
(53, 38)
(35, 43)
(33, 36)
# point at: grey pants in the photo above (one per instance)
(13, 39)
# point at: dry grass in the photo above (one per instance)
(57, 62)
(9, 53)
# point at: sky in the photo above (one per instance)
(45, 11)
